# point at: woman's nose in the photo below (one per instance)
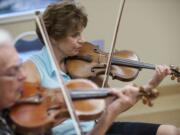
(81, 39)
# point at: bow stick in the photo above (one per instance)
(122, 3)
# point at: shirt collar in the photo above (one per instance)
(51, 69)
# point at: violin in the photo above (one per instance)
(125, 65)
(38, 111)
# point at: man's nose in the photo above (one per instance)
(22, 75)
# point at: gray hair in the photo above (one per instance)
(5, 37)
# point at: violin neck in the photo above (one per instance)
(132, 63)
(89, 94)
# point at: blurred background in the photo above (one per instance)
(150, 28)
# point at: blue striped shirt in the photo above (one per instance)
(49, 80)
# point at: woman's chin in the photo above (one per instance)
(74, 53)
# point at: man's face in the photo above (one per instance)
(11, 76)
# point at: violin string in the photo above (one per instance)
(133, 63)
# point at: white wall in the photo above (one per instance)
(150, 28)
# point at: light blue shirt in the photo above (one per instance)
(49, 80)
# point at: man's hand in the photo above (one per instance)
(124, 99)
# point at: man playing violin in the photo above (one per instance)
(64, 23)
(11, 79)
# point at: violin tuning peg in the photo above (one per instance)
(155, 93)
(177, 69)
(178, 79)
(141, 89)
(173, 77)
(144, 100)
(150, 104)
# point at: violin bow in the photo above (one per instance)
(53, 59)
(107, 71)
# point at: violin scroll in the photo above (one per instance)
(147, 96)
(125, 65)
(175, 73)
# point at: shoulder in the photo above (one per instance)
(31, 72)
(4, 127)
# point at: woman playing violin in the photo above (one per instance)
(65, 23)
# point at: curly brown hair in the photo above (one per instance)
(60, 19)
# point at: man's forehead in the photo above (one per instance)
(6, 49)
(8, 56)
(4, 37)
